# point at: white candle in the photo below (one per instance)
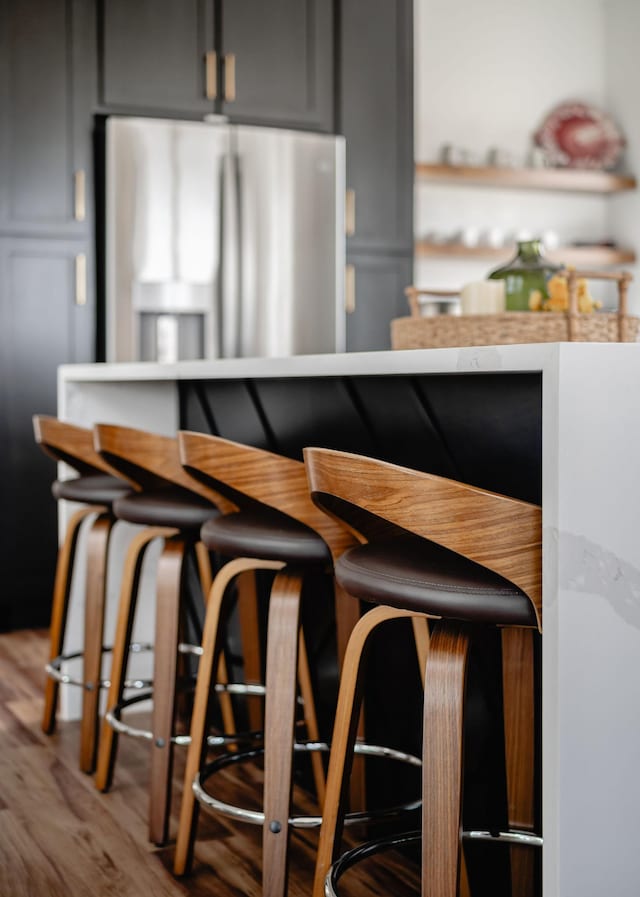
(483, 297)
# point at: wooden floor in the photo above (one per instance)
(60, 837)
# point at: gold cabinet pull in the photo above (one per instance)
(230, 77)
(350, 213)
(79, 195)
(81, 279)
(211, 74)
(350, 289)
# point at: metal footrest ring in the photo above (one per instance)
(53, 667)
(257, 818)
(371, 848)
(114, 714)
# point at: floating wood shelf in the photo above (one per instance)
(595, 256)
(564, 179)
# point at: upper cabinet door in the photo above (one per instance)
(46, 95)
(158, 56)
(278, 62)
(376, 117)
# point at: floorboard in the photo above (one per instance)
(61, 837)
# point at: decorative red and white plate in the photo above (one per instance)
(577, 135)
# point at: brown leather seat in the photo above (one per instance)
(170, 507)
(413, 574)
(265, 533)
(99, 488)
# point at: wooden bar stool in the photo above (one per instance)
(173, 507)
(278, 523)
(96, 488)
(467, 560)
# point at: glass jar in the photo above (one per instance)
(528, 271)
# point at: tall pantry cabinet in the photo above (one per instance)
(46, 268)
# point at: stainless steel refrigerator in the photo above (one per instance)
(222, 241)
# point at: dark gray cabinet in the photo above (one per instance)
(47, 92)
(269, 63)
(41, 327)
(154, 55)
(376, 117)
(46, 86)
(375, 295)
(280, 56)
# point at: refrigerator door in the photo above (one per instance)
(164, 212)
(283, 255)
(222, 241)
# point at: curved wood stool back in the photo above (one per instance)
(171, 506)
(501, 534)
(256, 479)
(96, 488)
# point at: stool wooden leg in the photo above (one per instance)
(202, 705)
(250, 636)
(420, 627)
(280, 704)
(60, 605)
(311, 719)
(519, 726)
(442, 760)
(342, 742)
(204, 567)
(347, 616)
(95, 592)
(120, 653)
(165, 666)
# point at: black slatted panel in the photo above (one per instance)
(313, 411)
(492, 426)
(223, 408)
(483, 429)
(400, 424)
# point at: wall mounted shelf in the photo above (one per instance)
(594, 256)
(560, 179)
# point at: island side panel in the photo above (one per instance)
(591, 618)
(146, 404)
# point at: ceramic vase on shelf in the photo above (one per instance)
(528, 271)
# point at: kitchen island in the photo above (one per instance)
(556, 423)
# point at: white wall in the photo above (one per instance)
(622, 81)
(486, 75)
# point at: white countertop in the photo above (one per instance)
(530, 357)
(487, 358)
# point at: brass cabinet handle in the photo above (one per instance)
(350, 289)
(211, 74)
(230, 77)
(350, 213)
(79, 195)
(81, 279)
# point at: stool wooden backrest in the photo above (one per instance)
(500, 533)
(69, 443)
(262, 476)
(149, 460)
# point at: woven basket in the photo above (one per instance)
(442, 331)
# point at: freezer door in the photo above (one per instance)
(283, 255)
(164, 212)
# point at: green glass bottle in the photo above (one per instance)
(528, 271)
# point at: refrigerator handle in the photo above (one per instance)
(230, 319)
(239, 259)
(216, 323)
